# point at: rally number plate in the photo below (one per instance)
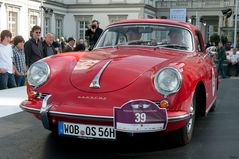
(86, 131)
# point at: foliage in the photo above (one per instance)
(224, 39)
(215, 38)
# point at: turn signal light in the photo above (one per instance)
(164, 104)
(30, 92)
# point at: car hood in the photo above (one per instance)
(111, 71)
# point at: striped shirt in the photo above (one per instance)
(19, 60)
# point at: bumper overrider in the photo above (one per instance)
(46, 111)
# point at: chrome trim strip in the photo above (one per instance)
(29, 109)
(95, 117)
(82, 115)
(179, 118)
(170, 119)
(96, 81)
(44, 112)
(208, 109)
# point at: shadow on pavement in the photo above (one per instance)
(58, 147)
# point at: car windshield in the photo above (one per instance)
(147, 35)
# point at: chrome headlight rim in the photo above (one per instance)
(47, 75)
(164, 92)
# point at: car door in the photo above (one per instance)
(209, 70)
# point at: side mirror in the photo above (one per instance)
(212, 50)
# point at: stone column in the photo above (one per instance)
(220, 24)
(53, 24)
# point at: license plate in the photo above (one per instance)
(86, 131)
(140, 116)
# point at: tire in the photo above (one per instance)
(184, 135)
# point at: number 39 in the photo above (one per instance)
(140, 117)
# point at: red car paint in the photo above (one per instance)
(129, 75)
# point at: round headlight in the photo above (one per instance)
(168, 81)
(38, 73)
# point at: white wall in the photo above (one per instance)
(99, 12)
(23, 19)
(69, 25)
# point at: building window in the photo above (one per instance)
(149, 2)
(150, 17)
(33, 21)
(12, 22)
(59, 25)
(12, 13)
(82, 24)
(115, 18)
(47, 25)
(33, 18)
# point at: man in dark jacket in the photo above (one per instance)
(48, 48)
(33, 47)
(93, 34)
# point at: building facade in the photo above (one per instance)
(19, 16)
(69, 17)
(205, 14)
(72, 17)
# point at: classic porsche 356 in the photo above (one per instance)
(143, 76)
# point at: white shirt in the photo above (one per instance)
(6, 57)
(234, 58)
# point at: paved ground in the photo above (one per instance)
(215, 137)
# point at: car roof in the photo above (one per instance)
(160, 21)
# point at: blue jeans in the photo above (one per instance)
(7, 80)
(20, 80)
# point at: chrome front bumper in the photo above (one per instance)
(45, 112)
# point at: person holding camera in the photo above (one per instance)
(93, 34)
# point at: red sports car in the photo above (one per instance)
(143, 76)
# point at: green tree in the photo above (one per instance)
(224, 39)
(215, 38)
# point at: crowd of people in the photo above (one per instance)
(16, 55)
(232, 61)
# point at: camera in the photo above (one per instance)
(93, 26)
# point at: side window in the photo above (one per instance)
(198, 44)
